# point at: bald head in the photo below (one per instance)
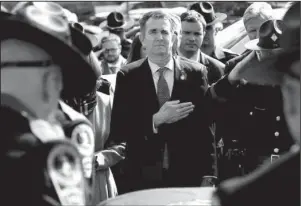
(255, 15)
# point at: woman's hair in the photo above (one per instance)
(135, 51)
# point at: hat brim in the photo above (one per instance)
(253, 45)
(78, 76)
(219, 18)
(129, 23)
(266, 72)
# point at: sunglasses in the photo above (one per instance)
(42, 63)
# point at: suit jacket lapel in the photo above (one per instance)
(178, 74)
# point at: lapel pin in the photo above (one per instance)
(183, 76)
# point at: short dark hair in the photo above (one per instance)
(193, 17)
(158, 14)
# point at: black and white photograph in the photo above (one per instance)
(161, 103)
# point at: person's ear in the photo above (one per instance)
(141, 38)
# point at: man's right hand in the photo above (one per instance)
(172, 111)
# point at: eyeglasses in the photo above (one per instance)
(110, 50)
(42, 63)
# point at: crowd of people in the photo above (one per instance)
(180, 110)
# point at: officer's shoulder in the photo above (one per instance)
(237, 59)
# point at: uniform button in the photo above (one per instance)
(276, 134)
(278, 118)
(251, 113)
(276, 150)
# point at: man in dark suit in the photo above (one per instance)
(193, 32)
(160, 112)
(269, 185)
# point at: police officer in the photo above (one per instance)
(37, 61)
(253, 125)
(279, 183)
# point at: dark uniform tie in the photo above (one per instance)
(163, 96)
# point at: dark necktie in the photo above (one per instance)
(162, 88)
(163, 96)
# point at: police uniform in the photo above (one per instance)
(36, 158)
(278, 183)
(253, 129)
(257, 121)
(230, 64)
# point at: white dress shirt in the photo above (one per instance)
(168, 74)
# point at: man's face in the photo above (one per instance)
(209, 39)
(112, 51)
(158, 38)
(252, 26)
(291, 101)
(192, 36)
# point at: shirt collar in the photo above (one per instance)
(154, 67)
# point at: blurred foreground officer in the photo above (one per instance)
(279, 183)
(41, 166)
